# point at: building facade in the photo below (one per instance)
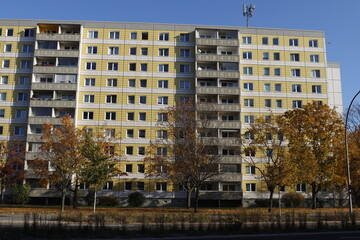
(119, 76)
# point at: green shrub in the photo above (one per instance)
(20, 193)
(136, 199)
(108, 201)
(293, 199)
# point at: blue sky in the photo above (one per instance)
(339, 19)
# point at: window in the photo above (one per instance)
(22, 97)
(112, 66)
(316, 88)
(91, 66)
(113, 50)
(184, 52)
(132, 83)
(277, 71)
(315, 73)
(9, 32)
(267, 87)
(3, 96)
(6, 63)
(128, 186)
(110, 98)
(248, 102)
(131, 99)
(184, 84)
(163, 84)
(296, 88)
(0, 31)
(130, 133)
(246, 40)
(294, 42)
(89, 98)
(313, 43)
(143, 67)
(90, 82)
(297, 104)
(143, 83)
(163, 100)
(27, 48)
(184, 68)
(161, 134)
(249, 119)
(161, 186)
(133, 35)
(279, 103)
(140, 168)
(111, 82)
(265, 56)
(2, 113)
(129, 150)
(249, 136)
(25, 64)
(275, 41)
(133, 51)
(88, 115)
(144, 36)
(4, 80)
(250, 169)
(269, 152)
(251, 187)
(142, 133)
(29, 32)
(276, 56)
(162, 117)
(266, 71)
(142, 99)
(114, 35)
(109, 132)
(132, 66)
(294, 57)
(248, 70)
(130, 116)
(163, 52)
(301, 187)
(110, 116)
(248, 86)
(163, 67)
(144, 51)
(24, 80)
(277, 87)
(140, 186)
(93, 34)
(265, 41)
(19, 131)
(20, 113)
(142, 116)
(184, 37)
(163, 36)
(108, 185)
(247, 55)
(141, 151)
(295, 72)
(267, 103)
(1, 130)
(314, 58)
(7, 47)
(92, 50)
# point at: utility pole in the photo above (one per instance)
(248, 11)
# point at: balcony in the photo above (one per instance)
(217, 58)
(217, 42)
(217, 74)
(218, 141)
(236, 195)
(41, 120)
(32, 155)
(56, 53)
(34, 138)
(231, 159)
(226, 124)
(58, 37)
(218, 90)
(56, 69)
(35, 102)
(236, 107)
(54, 86)
(230, 177)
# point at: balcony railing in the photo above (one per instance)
(54, 86)
(217, 42)
(58, 37)
(56, 53)
(37, 102)
(217, 74)
(235, 107)
(56, 69)
(217, 58)
(41, 120)
(218, 90)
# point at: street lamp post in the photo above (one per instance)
(347, 154)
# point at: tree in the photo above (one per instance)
(61, 159)
(21, 193)
(188, 155)
(313, 133)
(101, 162)
(11, 164)
(265, 138)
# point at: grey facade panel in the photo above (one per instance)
(333, 65)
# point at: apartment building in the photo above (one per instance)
(118, 76)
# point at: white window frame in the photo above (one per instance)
(163, 52)
(294, 42)
(4, 80)
(114, 35)
(296, 88)
(246, 40)
(112, 82)
(248, 70)
(250, 187)
(163, 83)
(164, 36)
(88, 115)
(89, 98)
(295, 72)
(297, 104)
(313, 43)
(316, 88)
(163, 67)
(91, 66)
(249, 87)
(314, 58)
(113, 50)
(89, 82)
(92, 50)
(248, 102)
(315, 73)
(247, 55)
(110, 116)
(250, 170)
(92, 34)
(163, 100)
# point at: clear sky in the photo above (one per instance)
(339, 19)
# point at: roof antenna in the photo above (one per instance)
(248, 11)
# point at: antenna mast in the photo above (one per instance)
(248, 11)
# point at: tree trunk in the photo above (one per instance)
(188, 198)
(63, 200)
(94, 200)
(313, 195)
(196, 200)
(271, 189)
(2, 191)
(75, 196)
